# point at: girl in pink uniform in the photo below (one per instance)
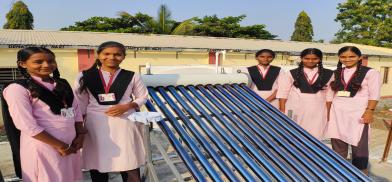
(265, 77)
(304, 93)
(107, 95)
(43, 108)
(357, 90)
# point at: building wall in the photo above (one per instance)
(386, 89)
(67, 60)
(8, 58)
(134, 62)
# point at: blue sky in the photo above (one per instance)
(278, 15)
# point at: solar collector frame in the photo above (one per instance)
(228, 133)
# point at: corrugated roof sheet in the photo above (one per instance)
(93, 39)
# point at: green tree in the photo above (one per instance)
(229, 27)
(19, 17)
(303, 28)
(125, 23)
(365, 22)
(138, 23)
(184, 28)
(164, 24)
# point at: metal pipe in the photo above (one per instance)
(149, 170)
(266, 135)
(188, 140)
(148, 68)
(236, 163)
(298, 144)
(249, 161)
(242, 139)
(223, 59)
(300, 133)
(215, 156)
(221, 98)
(316, 169)
(169, 162)
(242, 126)
(387, 144)
(217, 62)
(177, 145)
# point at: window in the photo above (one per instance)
(7, 75)
(385, 75)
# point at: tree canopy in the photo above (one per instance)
(125, 23)
(164, 24)
(19, 17)
(365, 22)
(303, 30)
(229, 27)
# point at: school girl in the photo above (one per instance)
(357, 90)
(304, 94)
(265, 77)
(43, 109)
(107, 95)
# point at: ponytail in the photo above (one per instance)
(82, 82)
(300, 72)
(62, 89)
(30, 85)
(336, 84)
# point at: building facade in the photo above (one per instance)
(75, 52)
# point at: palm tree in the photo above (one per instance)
(164, 21)
(144, 21)
(163, 24)
(184, 27)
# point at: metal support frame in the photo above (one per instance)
(212, 120)
(150, 173)
(388, 142)
(169, 162)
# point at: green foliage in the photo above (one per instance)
(183, 28)
(164, 21)
(19, 17)
(164, 24)
(229, 27)
(303, 28)
(126, 23)
(319, 41)
(365, 22)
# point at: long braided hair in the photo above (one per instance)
(300, 71)
(62, 88)
(97, 63)
(355, 82)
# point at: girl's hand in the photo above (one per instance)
(118, 110)
(65, 150)
(282, 105)
(270, 99)
(77, 143)
(367, 116)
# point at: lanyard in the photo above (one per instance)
(345, 85)
(266, 72)
(106, 87)
(313, 78)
